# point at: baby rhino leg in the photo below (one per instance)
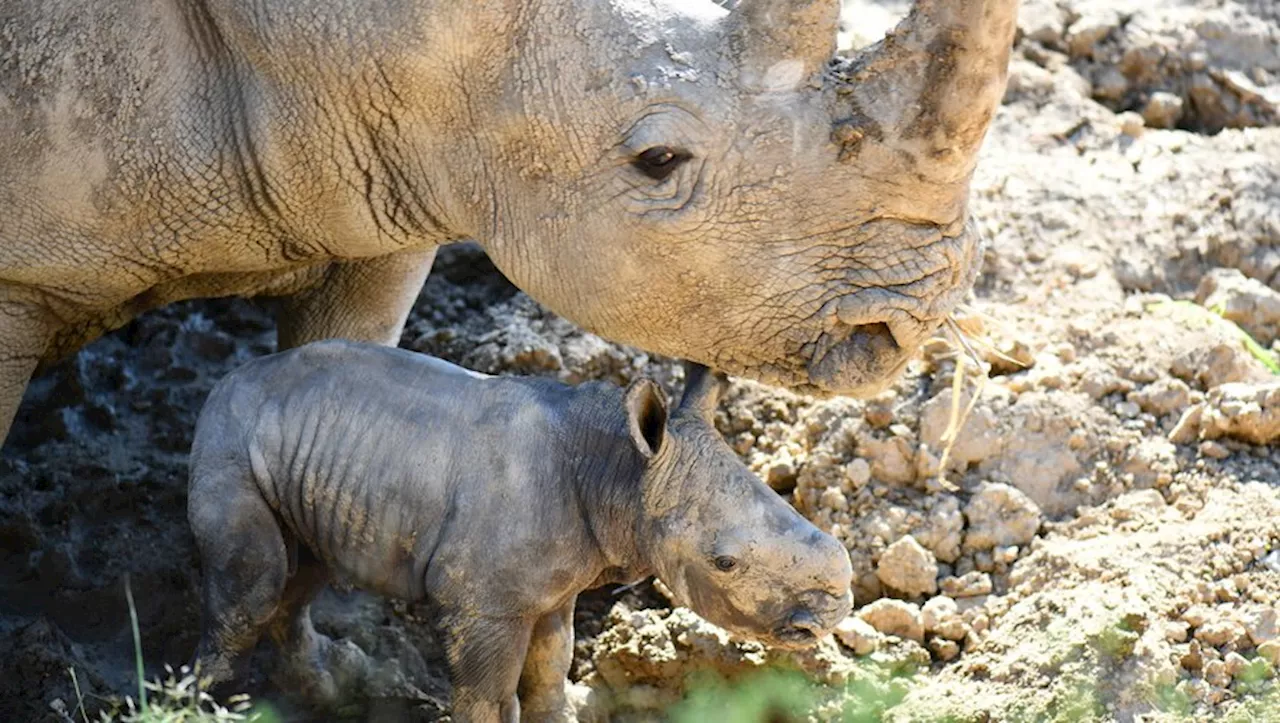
(304, 653)
(546, 669)
(244, 564)
(485, 659)
(323, 671)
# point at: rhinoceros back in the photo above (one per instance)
(366, 453)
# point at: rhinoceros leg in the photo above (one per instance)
(25, 331)
(245, 565)
(363, 300)
(485, 656)
(304, 652)
(546, 668)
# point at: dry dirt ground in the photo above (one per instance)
(1102, 542)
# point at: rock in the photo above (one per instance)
(1221, 363)
(1271, 652)
(1220, 632)
(857, 635)
(1005, 555)
(943, 531)
(978, 438)
(1094, 24)
(1251, 304)
(894, 617)
(1163, 110)
(1196, 615)
(833, 498)
(1131, 124)
(858, 472)
(1214, 450)
(1261, 625)
(970, 584)
(944, 649)
(891, 459)
(1110, 85)
(909, 568)
(1098, 383)
(1152, 462)
(1165, 396)
(1042, 21)
(941, 616)
(1187, 430)
(781, 474)
(1128, 410)
(1248, 412)
(1215, 673)
(1235, 663)
(1000, 515)
(1137, 504)
(1176, 631)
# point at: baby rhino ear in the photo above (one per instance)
(646, 416)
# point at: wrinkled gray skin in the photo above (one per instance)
(497, 500)
(696, 182)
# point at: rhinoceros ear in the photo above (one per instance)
(781, 43)
(702, 389)
(646, 416)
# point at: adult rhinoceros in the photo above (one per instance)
(698, 182)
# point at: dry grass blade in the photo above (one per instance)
(75, 681)
(957, 416)
(970, 325)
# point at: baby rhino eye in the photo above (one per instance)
(724, 563)
(659, 162)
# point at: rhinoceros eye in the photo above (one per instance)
(724, 563)
(659, 162)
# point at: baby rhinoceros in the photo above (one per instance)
(496, 500)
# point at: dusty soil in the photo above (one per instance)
(1103, 542)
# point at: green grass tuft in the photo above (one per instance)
(175, 699)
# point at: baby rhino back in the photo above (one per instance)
(356, 449)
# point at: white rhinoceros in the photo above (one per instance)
(699, 182)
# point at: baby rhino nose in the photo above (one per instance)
(836, 576)
(828, 607)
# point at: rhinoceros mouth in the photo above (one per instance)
(793, 637)
(859, 363)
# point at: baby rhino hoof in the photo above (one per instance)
(324, 673)
(332, 673)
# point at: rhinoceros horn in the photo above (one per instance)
(918, 103)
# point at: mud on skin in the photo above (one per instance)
(495, 499)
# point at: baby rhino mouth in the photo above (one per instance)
(812, 619)
(802, 629)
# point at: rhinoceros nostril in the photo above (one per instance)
(879, 336)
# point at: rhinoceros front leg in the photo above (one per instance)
(25, 330)
(363, 300)
(485, 657)
(546, 668)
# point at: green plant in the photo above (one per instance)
(1193, 312)
(781, 695)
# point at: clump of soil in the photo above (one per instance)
(1102, 541)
